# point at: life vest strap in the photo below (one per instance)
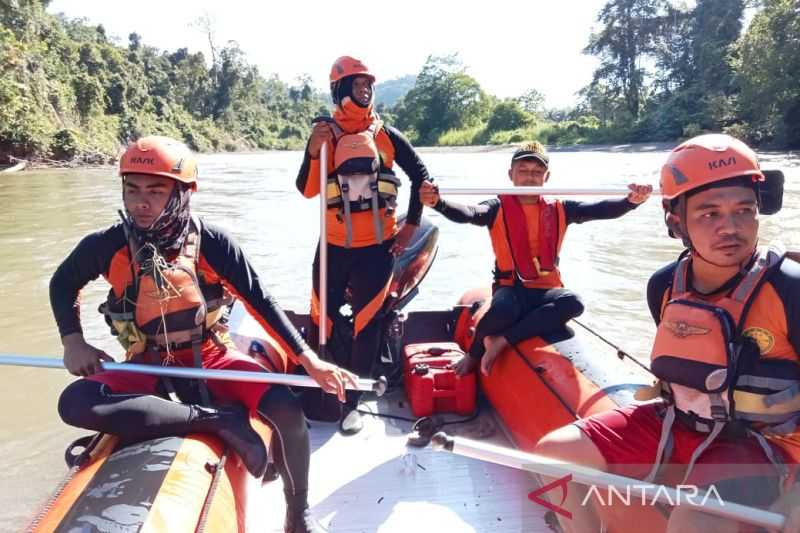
(786, 428)
(773, 458)
(215, 303)
(665, 443)
(124, 316)
(348, 221)
(376, 217)
(786, 395)
(177, 338)
(502, 274)
(197, 342)
(703, 446)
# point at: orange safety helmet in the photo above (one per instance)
(346, 67)
(706, 159)
(349, 66)
(160, 156)
(701, 161)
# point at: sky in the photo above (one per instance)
(508, 46)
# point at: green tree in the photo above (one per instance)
(444, 97)
(768, 71)
(532, 102)
(508, 115)
(627, 36)
(717, 24)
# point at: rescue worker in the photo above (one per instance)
(363, 234)
(528, 296)
(171, 276)
(726, 353)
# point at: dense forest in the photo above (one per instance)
(70, 92)
(665, 73)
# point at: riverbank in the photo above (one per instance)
(642, 147)
(623, 148)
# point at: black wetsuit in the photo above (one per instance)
(364, 271)
(129, 405)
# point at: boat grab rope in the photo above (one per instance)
(216, 470)
(622, 354)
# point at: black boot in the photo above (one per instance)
(135, 418)
(232, 425)
(302, 522)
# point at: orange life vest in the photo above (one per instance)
(516, 260)
(713, 375)
(374, 191)
(159, 305)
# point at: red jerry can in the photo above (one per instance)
(431, 386)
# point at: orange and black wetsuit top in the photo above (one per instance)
(393, 148)
(545, 224)
(773, 319)
(222, 264)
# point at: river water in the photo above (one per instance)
(45, 214)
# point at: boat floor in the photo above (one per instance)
(373, 481)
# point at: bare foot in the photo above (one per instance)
(494, 346)
(465, 365)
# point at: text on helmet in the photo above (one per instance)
(719, 163)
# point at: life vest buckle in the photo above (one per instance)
(719, 413)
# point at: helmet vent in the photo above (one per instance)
(679, 177)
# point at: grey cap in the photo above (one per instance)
(522, 154)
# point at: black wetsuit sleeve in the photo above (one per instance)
(657, 286)
(482, 214)
(305, 167)
(407, 158)
(579, 212)
(89, 260)
(786, 282)
(230, 263)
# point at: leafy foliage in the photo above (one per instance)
(768, 69)
(68, 91)
(444, 97)
(670, 72)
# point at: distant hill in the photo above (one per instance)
(389, 92)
